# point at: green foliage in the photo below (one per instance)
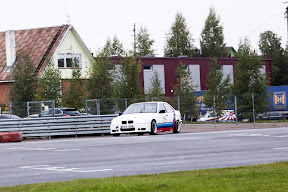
(212, 37)
(249, 80)
(74, 97)
(113, 48)
(101, 75)
(49, 87)
(24, 86)
(155, 90)
(179, 40)
(127, 83)
(144, 43)
(186, 91)
(270, 44)
(217, 86)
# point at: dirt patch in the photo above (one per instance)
(193, 128)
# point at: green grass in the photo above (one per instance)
(269, 177)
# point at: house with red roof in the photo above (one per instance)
(61, 44)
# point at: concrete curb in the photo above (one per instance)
(10, 137)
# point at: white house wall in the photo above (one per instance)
(71, 45)
(148, 74)
(228, 70)
(195, 75)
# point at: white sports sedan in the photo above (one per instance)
(147, 117)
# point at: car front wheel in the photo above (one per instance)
(177, 127)
(153, 128)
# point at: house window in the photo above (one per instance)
(69, 60)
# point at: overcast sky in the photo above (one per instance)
(97, 20)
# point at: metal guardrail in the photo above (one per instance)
(58, 126)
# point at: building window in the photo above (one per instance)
(147, 67)
(69, 60)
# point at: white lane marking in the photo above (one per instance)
(62, 169)
(282, 148)
(68, 150)
(250, 135)
(43, 149)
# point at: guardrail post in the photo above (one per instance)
(253, 109)
(98, 106)
(10, 109)
(178, 103)
(28, 111)
(236, 115)
(215, 116)
(125, 103)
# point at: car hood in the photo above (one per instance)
(134, 116)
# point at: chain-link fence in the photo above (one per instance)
(248, 108)
(37, 108)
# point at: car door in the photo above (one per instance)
(170, 114)
(161, 114)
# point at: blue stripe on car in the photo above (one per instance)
(166, 125)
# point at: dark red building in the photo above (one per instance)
(166, 68)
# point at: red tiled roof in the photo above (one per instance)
(35, 42)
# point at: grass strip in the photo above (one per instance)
(268, 177)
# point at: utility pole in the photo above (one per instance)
(286, 16)
(134, 30)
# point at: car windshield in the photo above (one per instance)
(141, 108)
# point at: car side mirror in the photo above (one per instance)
(162, 111)
(120, 113)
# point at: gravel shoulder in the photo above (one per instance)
(194, 128)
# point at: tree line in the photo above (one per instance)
(106, 80)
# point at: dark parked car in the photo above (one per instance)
(8, 116)
(272, 116)
(61, 112)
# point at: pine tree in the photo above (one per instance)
(74, 97)
(186, 91)
(270, 44)
(144, 43)
(101, 76)
(128, 83)
(24, 86)
(249, 80)
(218, 87)
(111, 48)
(179, 40)
(212, 38)
(49, 87)
(155, 90)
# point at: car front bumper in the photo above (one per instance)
(130, 128)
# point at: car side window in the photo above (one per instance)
(169, 108)
(161, 107)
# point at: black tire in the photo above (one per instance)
(140, 134)
(153, 127)
(116, 135)
(177, 127)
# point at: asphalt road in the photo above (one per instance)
(94, 157)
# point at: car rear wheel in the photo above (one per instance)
(153, 127)
(177, 127)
